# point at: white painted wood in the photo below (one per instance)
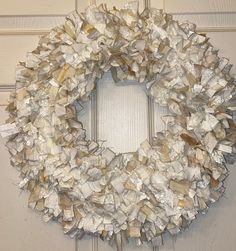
(122, 114)
(42, 24)
(81, 5)
(12, 50)
(35, 7)
(159, 4)
(200, 6)
(85, 244)
(104, 246)
(131, 246)
(209, 20)
(30, 22)
(4, 97)
(225, 42)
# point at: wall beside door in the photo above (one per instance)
(21, 24)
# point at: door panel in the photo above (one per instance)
(28, 24)
(34, 7)
(225, 42)
(12, 50)
(200, 6)
(86, 243)
(122, 114)
(206, 21)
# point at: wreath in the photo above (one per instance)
(88, 188)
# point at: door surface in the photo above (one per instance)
(124, 107)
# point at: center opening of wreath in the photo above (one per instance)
(122, 121)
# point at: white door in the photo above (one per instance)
(123, 107)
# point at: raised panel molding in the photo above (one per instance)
(28, 23)
(219, 22)
(35, 7)
(199, 6)
(122, 107)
